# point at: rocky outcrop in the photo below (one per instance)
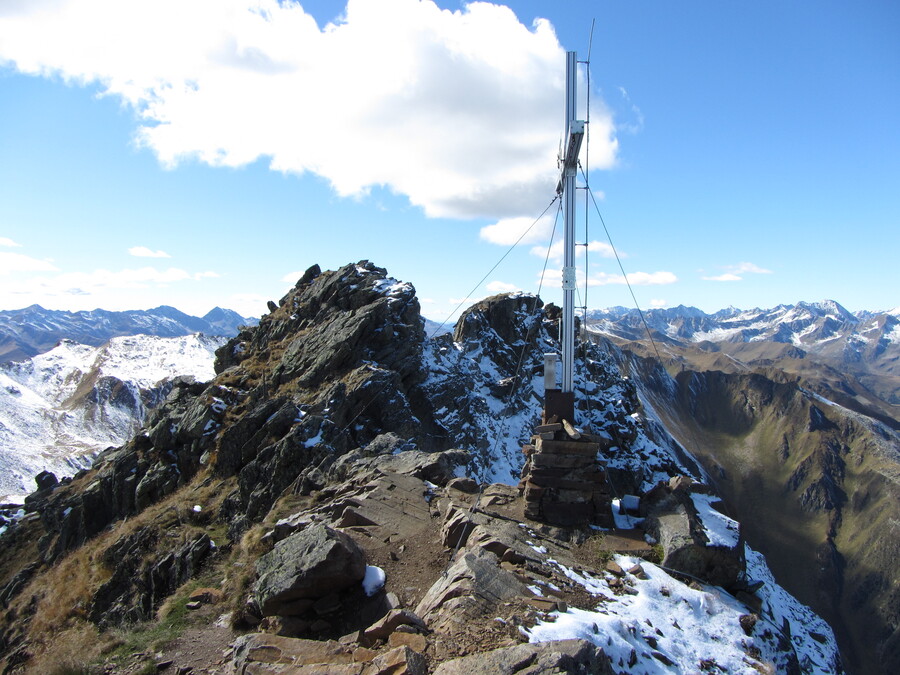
(144, 573)
(304, 567)
(670, 517)
(565, 656)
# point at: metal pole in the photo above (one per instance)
(569, 170)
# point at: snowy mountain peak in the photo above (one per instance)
(33, 330)
(60, 408)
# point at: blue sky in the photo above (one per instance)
(206, 152)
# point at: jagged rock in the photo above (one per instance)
(159, 481)
(381, 629)
(463, 484)
(542, 658)
(46, 480)
(472, 587)
(144, 576)
(671, 519)
(435, 467)
(309, 564)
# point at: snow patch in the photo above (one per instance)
(373, 581)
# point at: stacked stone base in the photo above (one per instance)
(563, 481)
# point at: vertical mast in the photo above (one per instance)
(574, 136)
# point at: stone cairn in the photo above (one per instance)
(563, 480)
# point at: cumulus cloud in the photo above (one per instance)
(144, 252)
(6, 241)
(458, 110)
(18, 262)
(658, 303)
(523, 229)
(737, 272)
(557, 251)
(495, 287)
(660, 278)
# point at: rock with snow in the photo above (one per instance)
(310, 564)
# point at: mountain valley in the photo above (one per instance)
(793, 414)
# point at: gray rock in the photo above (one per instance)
(671, 518)
(309, 564)
(540, 658)
(473, 586)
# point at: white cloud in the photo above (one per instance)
(6, 241)
(524, 229)
(737, 272)
(144, 252)
(17, 262)
(658, 303)
(660, 278)
(458, 110)
(557, 251)
(637, 125)
(495, 287)
(728, 276)
(748, 267)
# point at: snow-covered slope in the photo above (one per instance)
(58, 409)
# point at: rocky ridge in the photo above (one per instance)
(310, 439)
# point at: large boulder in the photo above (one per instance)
(310, 564)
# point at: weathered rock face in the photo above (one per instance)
(671, 518)
(308, 565)
(144, 574)
(565, 656)
(270, 654)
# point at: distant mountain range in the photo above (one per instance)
(60, 408)
(850, 358)
(35, 330)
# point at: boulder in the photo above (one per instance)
(313, 563)
(46, 480)
(474, 586)
(540, 658)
